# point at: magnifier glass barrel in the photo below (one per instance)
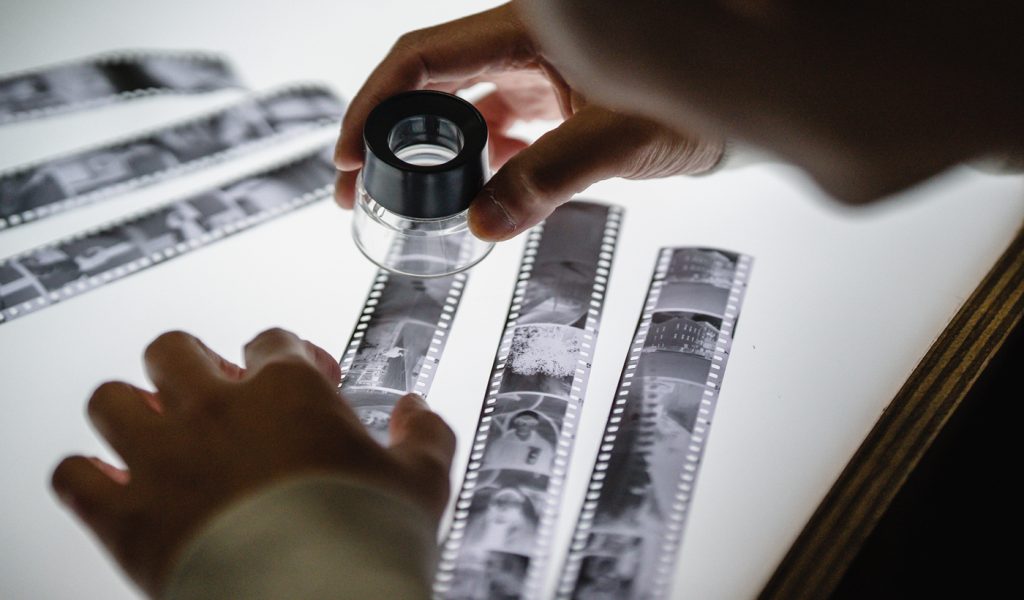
(426, 159)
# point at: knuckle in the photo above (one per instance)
(271, 337)
(434, 426)
(409, 40)
(290, 372)
(62, 472)
(103, 397)
(167, 341)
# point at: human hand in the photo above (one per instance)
(593, 143)
(213, 432)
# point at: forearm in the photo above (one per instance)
(867, 101)
(308, 538)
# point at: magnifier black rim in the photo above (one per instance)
(383, 118)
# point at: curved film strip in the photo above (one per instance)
(53, 273)
(505, 513)
(631, 523)
(398, 340)
(107, 78)
(48, 187)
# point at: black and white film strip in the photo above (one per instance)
(398, 340)
(48, 187)
(55, 272)
(631, 524)
(107, 78)
(506, 510)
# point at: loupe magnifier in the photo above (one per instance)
(426, 159)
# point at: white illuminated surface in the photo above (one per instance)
(841, 304)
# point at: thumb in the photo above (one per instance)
(592, 145)
(424, 442)
(420, 434)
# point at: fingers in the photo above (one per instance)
(325, 363)
(592, 145)
(125, 418)
(451, 52)
(84, 485)
(419, 433)
(278, 345)
(345, 189)
(183, 369)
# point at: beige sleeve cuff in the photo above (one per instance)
(310, 538)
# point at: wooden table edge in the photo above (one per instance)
(830, 540)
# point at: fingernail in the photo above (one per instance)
(417, 400)
(491, 220)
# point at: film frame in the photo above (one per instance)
(60, 270)
(54, 185)
(398, 341)
(110, 77)
(627, 536)
(532, 404)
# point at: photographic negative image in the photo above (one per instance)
(96, 254)
(698, 280)
(143, 240)
(524, 432)
(57, 266)
(177, 73)
(17, 286)
(373, 408)
(680, 345)
(57, 180)
(652, 442)
(103, 78)
(213, 134)
(164, 228)
(610, 567)
(394, 346)
(562, 279)
(31, 192)
(702, 265)
(397, 344)
(542, 358)
(274, 190)
(628, 502)
(504, 512)
(499, 577)
(53, 88)
(299, 107)
(527, 423)
(654, 436)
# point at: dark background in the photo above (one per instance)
(952, 530)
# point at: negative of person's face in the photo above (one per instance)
(524, 425)
(506, 507)
(373, 418)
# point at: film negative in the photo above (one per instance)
(108, 78)
(58, 271)
(506, 510)
(48, 187)
(399, 339)
(631, 524)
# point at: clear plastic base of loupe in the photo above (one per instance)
(416, 247)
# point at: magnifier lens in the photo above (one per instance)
(426, 158)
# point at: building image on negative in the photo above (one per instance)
(682, 334)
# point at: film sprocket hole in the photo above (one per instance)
(426, 159)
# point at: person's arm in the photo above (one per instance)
(868, 97)
(310, 537)
(259, 482)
